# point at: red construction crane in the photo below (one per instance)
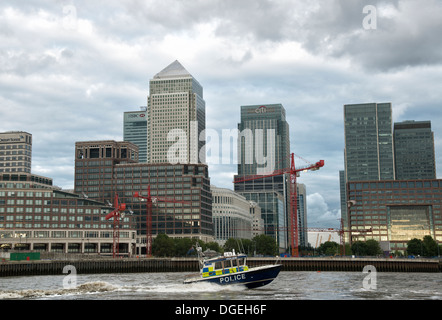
(149, 202)
(294, 172)
(117, 214)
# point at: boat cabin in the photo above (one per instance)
(230, 263)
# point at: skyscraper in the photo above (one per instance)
(15, 152)
(135, 131)
(264, 146)
(264, 139)
(368, 142)
(414, 150)
(176, 117)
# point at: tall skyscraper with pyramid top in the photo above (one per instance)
(176, 117)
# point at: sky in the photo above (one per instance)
(69, 69)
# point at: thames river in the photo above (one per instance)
(169, 286)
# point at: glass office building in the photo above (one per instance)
(176, 116)
(135, 131)
(368, 142)
(263, 147)
(414, 150)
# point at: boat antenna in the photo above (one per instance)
(240, 246)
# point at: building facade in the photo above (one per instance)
(389, 190)
(135, 131)
(368, 142)
(100, 178)
(395, 212)
(414, 150)
(263, 147)
(34, 215)
(95, 163)
(15, 152)
(232, 217)
(176, 117)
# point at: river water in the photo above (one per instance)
(169, 286)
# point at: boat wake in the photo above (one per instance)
(83, 289)
(102, 287)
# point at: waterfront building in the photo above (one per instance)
(176, 115)
(389, 190)
(368, 142)
(95, 163)
(35, 215)
(414, 150)
(15, 152)
(102, 176)
(135, 131)
(232, 217)
(395, 211)
(368, 152)
(263, 147)
(302, 214)
(258, 221)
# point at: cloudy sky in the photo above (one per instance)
(70, 68)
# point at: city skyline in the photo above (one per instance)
(69, 71)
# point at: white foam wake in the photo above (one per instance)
(105, 287)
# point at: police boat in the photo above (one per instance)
(231, 268)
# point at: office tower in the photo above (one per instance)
(135, 131)
(15, 152)
(414, 150)
(267, 148)
(95, 163)
(176, 117)
(263, 147)
(368, 142)
(104, 168)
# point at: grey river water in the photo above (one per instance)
(169, 286)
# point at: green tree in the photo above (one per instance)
(429, 247)
(265, 245)
(231, 244)
(415, 247)
(373, 248)
(359, 248)
(214, 246)
(182, 246)
(329, 248)
(163, 246)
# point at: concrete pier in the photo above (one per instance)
(91, 266)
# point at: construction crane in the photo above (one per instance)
(294, 172)
(149, 201)
(118, 214)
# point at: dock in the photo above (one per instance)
(157, 265)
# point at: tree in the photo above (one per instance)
(373, 248)
(429, 247)
(214, 246)
(329, 248)
(415, 247)
(163, 246)
(182, 246)
(359, 248)
(265, 245)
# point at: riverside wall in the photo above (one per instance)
(92, 266)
